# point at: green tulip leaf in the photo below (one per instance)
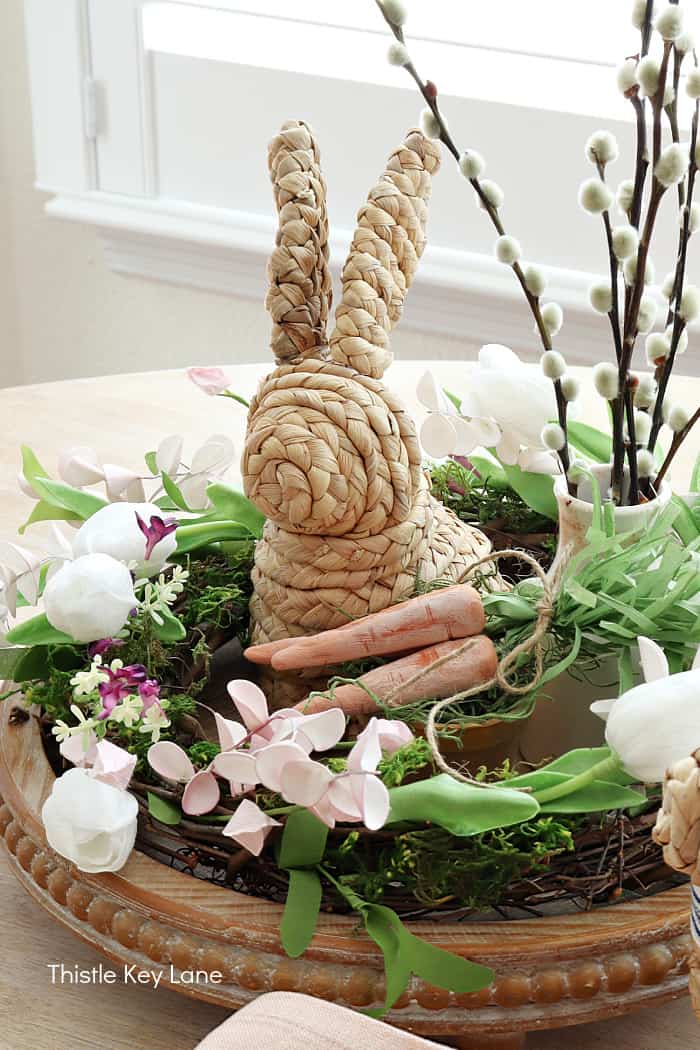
(193, 536)
(301, 911)
(232, 505)
(592, 442)
(461, 809)
(37, 631)
(303, 840)
(537, 490)
(171, 630)
(164, 811)
(599, 796)
(152, 463)
(174, 493)
(44, 511)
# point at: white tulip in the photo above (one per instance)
(90, 823)
(114, 530)
(90, 598)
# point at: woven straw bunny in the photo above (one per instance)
(331, 457)
(678, 831)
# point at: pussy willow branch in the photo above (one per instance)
(678, 440)
(447, 140)
(563, 453)
(663, 371)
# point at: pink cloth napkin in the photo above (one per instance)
(288, 1021)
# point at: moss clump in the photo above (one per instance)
(482, 500)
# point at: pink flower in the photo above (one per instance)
(211, 380)
(171, 762)
(156, 531)
(109, 763)
(249, 826)
(122, 682)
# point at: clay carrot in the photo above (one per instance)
(477, 664)
(453, 612)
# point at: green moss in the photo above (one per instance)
(482, 501)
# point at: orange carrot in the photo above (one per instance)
(453, 612)
(261, 654)
(477, 664)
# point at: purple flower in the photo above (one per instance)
(122, 683)
(101, 647)
(156, 531)
(149, 691)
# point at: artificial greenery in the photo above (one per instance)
(479, 493)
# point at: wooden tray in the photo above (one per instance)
(551, 972)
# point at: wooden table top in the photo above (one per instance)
(122, 417)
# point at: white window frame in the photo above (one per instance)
(89, 70)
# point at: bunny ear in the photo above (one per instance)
(384, 254)
(299, 295)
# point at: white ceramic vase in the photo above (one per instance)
(565, 721)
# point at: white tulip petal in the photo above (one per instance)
(537, 461)
(653, 659)
(438, 436)
(114, 530)
(602, 708)
(508, 448)
(169, 454)
(498, 358)
(488, 432)
(696, 660)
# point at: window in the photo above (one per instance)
(152, 117)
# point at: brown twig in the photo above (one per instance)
(676, 443)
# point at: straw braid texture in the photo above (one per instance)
(384, 255)
(678, 821)
(331, 456)
(300, 292)
(678, 831)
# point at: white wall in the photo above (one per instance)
(63, 313)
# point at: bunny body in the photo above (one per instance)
(332, 457)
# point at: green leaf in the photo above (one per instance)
(32, 664)
(82, 504)
(193, 535)
(580, 760)
(303, 840)
(592, 442)
(31, 467)
(171, 629)
(685, 524)
(174, 493)
(235, 397)
(600, 796)
(44, 511)
(695, 476)
(163, 811)
(9, 661)
(404, 954)
(456, 401)
(232, 505)
(462, 809)
(490, 471)
(537, 490)
(301, 911)
(37, 631)
(151, 463)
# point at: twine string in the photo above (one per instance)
(534, 644)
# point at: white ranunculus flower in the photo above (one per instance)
(90, 823)
(504, 405)
(115, 530)
(90, 598)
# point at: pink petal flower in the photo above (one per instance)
(322, 730)
(211, 380)
(249, 826)
(80, 466)
(230, 733)
(342, 800)
(170, 761)
(237, 766)
(367, 752)
(169, 454)
(201, 794)
(113, 765)
(653, 659)
(304, 783)
(375, 804)
(73, 749)
(250, 702)
(118, 480)
(325, 812)
(392, 735)
(271, 761)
